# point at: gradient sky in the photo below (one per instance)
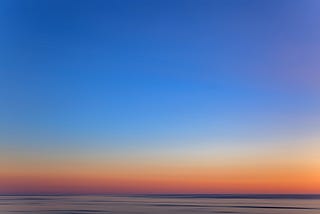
(159, 96)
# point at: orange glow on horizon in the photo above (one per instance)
(245, 179)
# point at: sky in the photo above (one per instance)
(179, 96)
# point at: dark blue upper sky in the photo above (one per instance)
(149, 70)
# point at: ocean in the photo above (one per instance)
(161, 204)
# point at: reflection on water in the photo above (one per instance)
(159, 204)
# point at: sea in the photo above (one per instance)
(160, 204)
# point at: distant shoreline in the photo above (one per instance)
(185, 196)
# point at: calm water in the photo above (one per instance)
(161, 204)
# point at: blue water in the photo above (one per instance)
(162, 204)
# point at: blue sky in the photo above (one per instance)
(140, 71)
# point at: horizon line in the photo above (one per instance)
(185, 195)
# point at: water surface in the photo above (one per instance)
(162, 204)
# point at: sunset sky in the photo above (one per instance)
(161, 96)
